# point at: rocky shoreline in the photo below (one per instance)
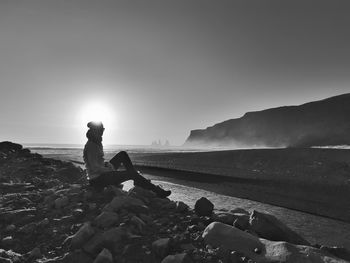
(48, 213)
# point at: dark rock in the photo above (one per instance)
(76, 256)
(106, 219)
(203, 207)
(161, 247)
(8, 147)
(105, 256)
(269, 227)
(178, 258)
(82, 236)
(339, 252)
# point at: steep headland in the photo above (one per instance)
(318, 123)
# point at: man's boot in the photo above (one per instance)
(146, 184)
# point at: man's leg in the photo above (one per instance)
(122, 158)
(111, 178)
(141, 181)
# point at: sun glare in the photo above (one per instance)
(97, 111)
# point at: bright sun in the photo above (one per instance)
(97, 111)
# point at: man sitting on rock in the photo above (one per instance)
(101, 173)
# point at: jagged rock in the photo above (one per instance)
(178, 258)
(161, 247)
(203, 207)
(230, 238)
(106, 219)
(269, 227)
(105, 256)
(82, 236)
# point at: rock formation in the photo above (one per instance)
(319, 123)
(48, 213)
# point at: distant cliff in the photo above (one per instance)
(318, 123)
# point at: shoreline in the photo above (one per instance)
(263, 191)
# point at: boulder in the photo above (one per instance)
(228, 237)
(7, 146)
(75, 257)
(178, 258)
(269, 227)
(82, 235)
(109, 238)
(138, 223)
(181, 207)
(226, 218)
(119, 202)
(241, 221)
(261, 250)
(105, 256)
(285, 252)
(203, 207)
(61, 202)
(161, 247)
(106, 219)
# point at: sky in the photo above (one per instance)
(158, 69)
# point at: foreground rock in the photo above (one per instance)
(49, 214)
(230, 239)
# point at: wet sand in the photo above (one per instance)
(316, 229)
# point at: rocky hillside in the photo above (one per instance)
(319, 123)
(48, 213)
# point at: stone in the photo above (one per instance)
(119, 202)
(139, 223)
(82, 235)
(241, 221)
(109, 238)
(105, 256)
(75, 257)
(203, 207)
(61, 202)
(339, 252)
(35, 253)
(177, 258)
(284, 252)
(161, 247)
(140, 192)
(7, 241)
(269, 227)
(10, 228)
(28, 228)
(226, 218)
(181, 207)
(106, 219)
(218, 234)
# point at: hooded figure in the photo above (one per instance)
(101, 173)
